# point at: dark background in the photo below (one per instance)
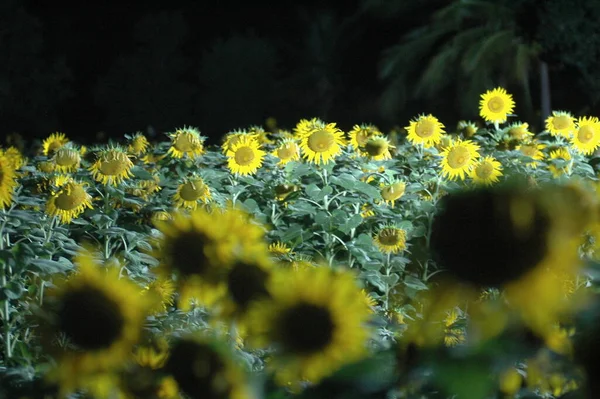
(98, 70)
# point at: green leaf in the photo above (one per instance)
(351, 223)
(414, 283)
(48, 266)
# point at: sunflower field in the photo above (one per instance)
(427, 262)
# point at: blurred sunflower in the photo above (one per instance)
(8, 182)
(203, 369)
(138, 144)
(459, 159)
(367, 211)
(426, 130)
(519, 131)
(560, 123)
(496, 105)
(261, 135)
(392, 192)
(287, 150)
(316, 320)
(486, 171)
(53, 143)
(186, 141)
(320, 146)
(112, 166)
(560, 162)
(161, 294)
(305, 127)
(586, 138)
(192, 191)
(14, 157)
(98, 315)
(533, 150)
(390, 239)
(245, 156)
(360, 135)
(70, 201)
(66, 159)
(467, 128)
(454, 334)
(378, 148)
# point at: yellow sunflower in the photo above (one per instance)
(186, 141)
(586, 138)
(205, 369)
(70, 201)
(190, 192)
(161, 293)
(316, 319)
(458, 159)
(320, 146)
(360, 134)
(390, 239)
(287, 150)
(533, 150)
(98, 318)
(53, 143)
(245, 156)
(496, 105)
(467, 128)
(560, 123)
(112, 166)
(519, 131)
(279, 248)
(66, 159)
(426, 130)
(138, 144)
(560, 162)
(14, 156)
(392, 192)
(367, 211)
(261, 134)
(486, 171)
(305, 127)
(145, 188)
(8, 182)
(378, 148)
(233, 137)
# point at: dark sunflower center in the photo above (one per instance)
(90, 318)
(306, 328)
(187, 253)
(489, 237)
(199, 370)
(246, 282)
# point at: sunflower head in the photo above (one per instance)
(287, 150)
(112, 166)
(305, 127)
(560, 162)
(586, 138)
(53, 143)
(138, 144)
(426, 130)
(8, 182)
(279, 249)
(519, 131)
(459, 158)
(390, 239)
(320, 146)
(232, 138)
(66, 159)
(360, 134)
(467, 128)
(190, 192)
(560, 123)
(486, 171)
(186, 141)
(533, 150)
(378, 148)
(496, 105)
(245, 157)
(70, 201)
(393, 192)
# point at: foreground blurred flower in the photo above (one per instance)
(315, 320)
(560, 123)
(112, 166)
(7, 182)
(70, 201)
(426, 130)
(458, 159)
(53, 143)
(245, 156)
(99, 318)
(186, 141)
(202, 369)
(320, 146)
(496, 105)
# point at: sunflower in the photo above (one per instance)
(245, 156)
(533, 150)
(8, 182)
(287, 150)
(392, 192)
(112, 166)
(305, 127)
(161, 292)
(186, 141)
(191, 192)
(486, 171)
(467, 128)
(99, 318)
(378, 148)
(560, 162)
(138, 144)
(233, 137)
(70, 201)
(279, 248)
(53, 143)
(510, 382)
(560, 123)
(315, 319)
(14, 156)
(204, 369)
(426, 130)
(496, 105)
(454, 334)
(519, 131)
(261, 134)
(459, 159)
(360, 135)
(390, 239)
(320, 146)
(66, 159)
(586, 138)
(145, 188)
(367, 211)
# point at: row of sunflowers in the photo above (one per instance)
(305, 263)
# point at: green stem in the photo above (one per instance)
(388, 269)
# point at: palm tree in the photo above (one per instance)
(468, 46)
